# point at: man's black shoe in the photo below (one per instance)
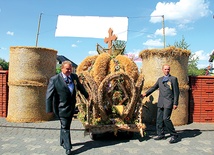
(160, 137)
(68, 151)
(64, 146)
(174, 139)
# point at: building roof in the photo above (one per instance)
(62, 58)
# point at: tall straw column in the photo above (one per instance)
(29, 71)
(153, 60)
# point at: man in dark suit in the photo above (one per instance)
(61, 99)
(167, 101)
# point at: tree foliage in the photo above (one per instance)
(192, 66)
(4, 64)
(58, 68)
(182, 44)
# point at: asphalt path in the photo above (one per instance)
(43, 139)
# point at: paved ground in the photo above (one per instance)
(43, 139)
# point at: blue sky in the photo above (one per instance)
(192, 19)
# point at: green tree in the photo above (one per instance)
(192, 66)
(182, 44)
(4, 64)
(58, 68)
(193, 59)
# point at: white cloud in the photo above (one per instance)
(203, 58)
(153, 43)
(184, 11)
(184, 26)
(10, 33)
(3, 48)
(202, 55)
(92, 53)
(168, 31)
(150, 36)
(73, 45)
(77, 42)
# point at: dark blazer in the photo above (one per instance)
(58, 97)
(168, 92)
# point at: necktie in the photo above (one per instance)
(67, 80)
(70, 84)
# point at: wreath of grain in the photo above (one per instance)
(91, 87)
(102, 90)
(136, 109)
(125, 65)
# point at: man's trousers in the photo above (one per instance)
(65, 137)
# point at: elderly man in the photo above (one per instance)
(167, 101)
(61, 99)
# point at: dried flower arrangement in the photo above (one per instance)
(114, 85)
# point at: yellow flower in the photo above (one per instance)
(169, 84)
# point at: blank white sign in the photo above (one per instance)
(91, 26)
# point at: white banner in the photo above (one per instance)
(91, 26)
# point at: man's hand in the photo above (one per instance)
(143, 95)
(175, 107)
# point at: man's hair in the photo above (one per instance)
(165, 65)
(66, 62)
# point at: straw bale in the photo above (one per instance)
(27, 104)
(152, 65)
(180, 115)
(165, 52)
(100, 68)
(30, 70)
(27, 83)
(31, 63)
(124, 64)
(150, 107)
